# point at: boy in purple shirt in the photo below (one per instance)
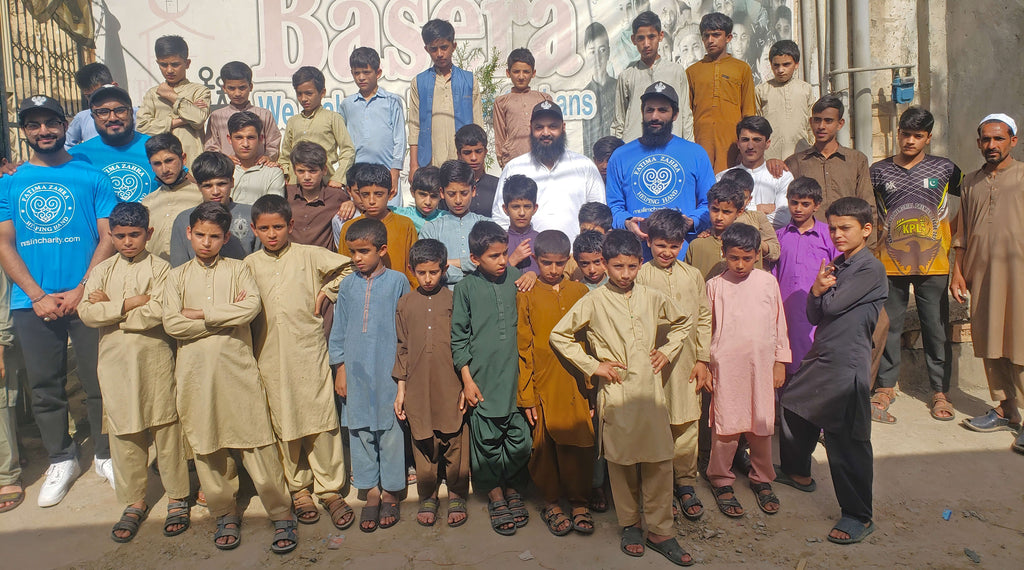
(804, 243)
(520, 205)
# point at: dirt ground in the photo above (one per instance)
(922, 468)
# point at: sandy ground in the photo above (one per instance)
(922, 467)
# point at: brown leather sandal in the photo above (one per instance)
(303, 506)
(940, 404)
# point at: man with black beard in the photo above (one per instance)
(659, 170)
(565, 180)
(53, 231)
(119, 151)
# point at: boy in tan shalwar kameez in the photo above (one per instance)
(684, 284)
(177, 105)
(208, 305)
(292, 354)
(621, 321)
(135, 367)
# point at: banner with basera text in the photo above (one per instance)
(580, 45)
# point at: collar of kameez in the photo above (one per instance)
(665, 269)
(212, 265)
(183, 180)
(522, 233)
(616, 289)
(846, 261)
(791, 227)
(840, 152)
(376, 273)
(279, 252)
(311, 115)
(534, 160)
(141, 256)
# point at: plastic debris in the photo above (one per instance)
(946, 514)
(526, 555)
(334, 541)
(974, 556)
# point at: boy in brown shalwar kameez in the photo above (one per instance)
(429, 391)
(562, 462)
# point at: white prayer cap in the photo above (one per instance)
(1002, 118)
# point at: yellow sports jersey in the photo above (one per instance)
(913, 205)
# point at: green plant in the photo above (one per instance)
(490, 83)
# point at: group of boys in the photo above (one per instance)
(230, 331)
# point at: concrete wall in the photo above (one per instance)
(984, 40)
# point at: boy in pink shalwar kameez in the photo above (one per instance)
(749, 350)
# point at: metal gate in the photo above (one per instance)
(36, 58)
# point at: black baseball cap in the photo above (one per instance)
(546, 108)
(42, 102)
(108, 92)
(661, 89)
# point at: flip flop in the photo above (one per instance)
(852, 527)
(632, 536)
(428, 506)
(458, 505)
(369, 514)
(671, 550)
(783, 479)
(15, 498)
(389, 510)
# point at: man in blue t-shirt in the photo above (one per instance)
(53, 231)
(119, 151)
(659, 170)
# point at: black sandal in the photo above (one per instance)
(428, 506)
(129, 523)
(178, 512)
(501, 516)
(670, 549)
(389, 510)
(518, 508)
(632, 536)
(369, 515)
(764, 498)
(223, 531)
(554, 520)
(686, 504)
(725, 504)
(285, 530)
(585, 517)
(457, 505)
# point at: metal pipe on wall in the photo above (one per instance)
(811, 39)
(860, 114)
(820, 13)
(840, 49)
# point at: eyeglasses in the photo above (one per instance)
(52, 124)
(103, 112)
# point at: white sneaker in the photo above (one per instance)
(59, 477)
(105, 468)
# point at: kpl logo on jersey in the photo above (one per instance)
(131, 182)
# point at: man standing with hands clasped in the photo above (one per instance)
(53, 214)
(989, 261)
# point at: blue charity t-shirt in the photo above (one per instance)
(643, 179)
(54, 211)
(127, 166)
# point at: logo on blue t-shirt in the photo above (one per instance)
(657, 179)
(46, 208)
(130, 181)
